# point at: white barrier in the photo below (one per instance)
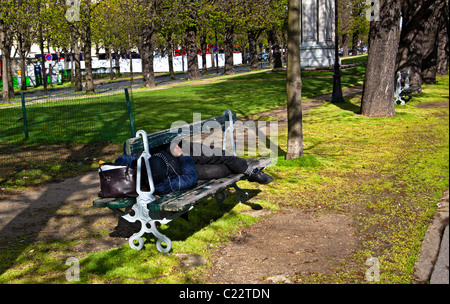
(160, 64)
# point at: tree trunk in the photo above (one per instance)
(253, 48)
(228, 49)
(191, 48)
(148, 73)
(409, 56)
(344, 45)
(443, 47)
(87, 47)
(355, 39)
(203, 46)
(111, 72)
(130, 56)
(432, 20)
(23, 65)
(170, 55)
(72, 66)
(277, 63)
(78, 83)
(44, 72)
(117, 62)
(5, 74)
(378, 91)
(294, 84)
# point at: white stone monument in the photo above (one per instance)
(317, 33)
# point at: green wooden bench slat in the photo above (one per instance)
(135, 145)
(114, 203)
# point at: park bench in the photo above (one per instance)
(152, 211)
(403, 94)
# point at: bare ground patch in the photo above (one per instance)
(291, 242)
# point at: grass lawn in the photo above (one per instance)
(57, 128)
(387, 174)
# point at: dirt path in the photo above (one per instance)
(288, 243)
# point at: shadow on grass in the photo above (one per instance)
(183, 227)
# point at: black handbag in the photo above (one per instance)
(117, 181)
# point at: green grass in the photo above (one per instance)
(387, 174)
(245, 95)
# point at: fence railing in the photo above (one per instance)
(38, 134)
(86, 118)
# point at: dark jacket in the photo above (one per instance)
(187, 179)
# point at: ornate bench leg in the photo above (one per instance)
(148, 225)
(242, 195)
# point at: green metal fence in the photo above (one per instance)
(40, 133)
(85, 118)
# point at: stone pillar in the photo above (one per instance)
(317, 33)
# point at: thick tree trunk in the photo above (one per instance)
(148, 73)
(88, 64)
(253, 48)
(228, 50)
(192, 58)
(443, 46)
(378, 91)
(409, 56)
(294, 84)
(430, 44)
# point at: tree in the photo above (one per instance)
(189, 15)
(430, 42)
(345, 23)
(255, 17)
(170, 25)
(379, 82)
(146, 45)
(409, 55)
(87, 45)
(24, 30)
(423, 40)
(6, 23)
(294, 84)
(443, 52)
(359, 23)
(230, 19)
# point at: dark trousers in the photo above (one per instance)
(215, 163)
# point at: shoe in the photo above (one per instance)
(260, 177)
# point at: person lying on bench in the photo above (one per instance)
(174, 171)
